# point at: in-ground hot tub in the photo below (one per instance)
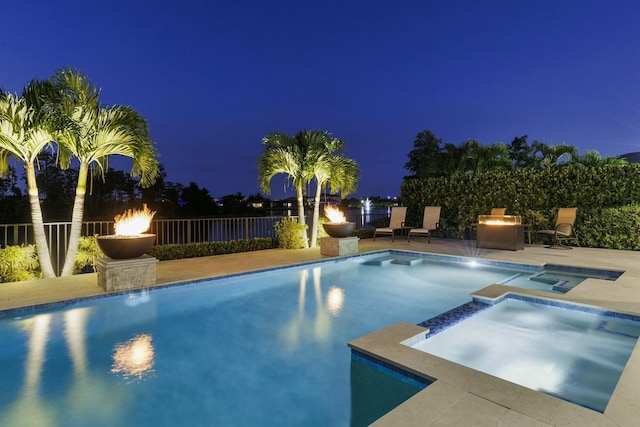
(570, 351)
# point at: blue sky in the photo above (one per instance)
(213, 77)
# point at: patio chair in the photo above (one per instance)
(398, 215)
(563, 230)
(430, 222)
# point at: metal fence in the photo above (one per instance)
(167, 231)
(170, 231)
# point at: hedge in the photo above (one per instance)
(607, 199)
(194, 250)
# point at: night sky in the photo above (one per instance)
(213, 77)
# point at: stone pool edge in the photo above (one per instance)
(462, 393)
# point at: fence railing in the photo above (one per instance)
(167, 231)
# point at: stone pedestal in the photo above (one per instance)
(333, 246)
(126, 274)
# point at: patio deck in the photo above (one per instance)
(460, 397)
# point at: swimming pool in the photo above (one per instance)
(266, 348)
(570, 351)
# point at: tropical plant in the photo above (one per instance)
(291, 234)
(88, 253)
(521, 153)
(291, 156)
(331, 169)
(25, 131)
(477, 158)
(91, 133)
(548, 156)
(18, 263)
(592, 158)
(425, 160)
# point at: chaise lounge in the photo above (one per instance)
(398, 215)
(430, 222)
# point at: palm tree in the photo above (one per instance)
(472, 158)
(479, 158)
(24, 133)
(548, 156)
(288, 155)
(592, 158)
(330, 168)
(91, 133)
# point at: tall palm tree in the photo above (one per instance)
(291, 156)
(332, 169)
(24, 133)
(91, 134)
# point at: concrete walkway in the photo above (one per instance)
(445, 402)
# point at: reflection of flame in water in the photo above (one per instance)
(134, 357)
(335, 300)
(133, 222)
(334, 214)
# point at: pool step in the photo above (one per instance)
(556, 284)
(384, 261)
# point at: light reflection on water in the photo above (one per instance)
(134, 358)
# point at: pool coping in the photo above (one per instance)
(391, 345)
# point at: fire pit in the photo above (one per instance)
(343, 229)
(339, 226)
(125, 247)
(129, 240)
(126, 265)
(500, 232)
(340, 240)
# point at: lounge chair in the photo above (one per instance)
(430, 222)
(563, 230)
(398, 215)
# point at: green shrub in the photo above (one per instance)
(88, 252)
(611, 228)
(536, 196)
(194, 250)
(291, 234)
(19, 263)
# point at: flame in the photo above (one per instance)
(133, 222)
(134, 357)
(334, 214)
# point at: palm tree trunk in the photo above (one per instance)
(39, 235)
(301, 217)
(316, 216)
(76, 220)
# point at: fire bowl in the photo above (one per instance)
(339, 229)
(125, 247)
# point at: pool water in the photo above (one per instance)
(266, 349)
(570, 353)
